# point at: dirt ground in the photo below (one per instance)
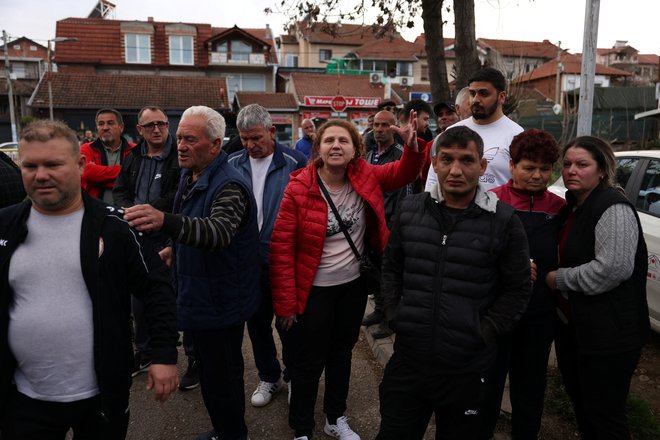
(645, 385)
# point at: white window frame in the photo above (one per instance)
(177, 56)
(142, 54)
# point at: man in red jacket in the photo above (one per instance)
(105, 155)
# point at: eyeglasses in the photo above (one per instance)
(151, 125)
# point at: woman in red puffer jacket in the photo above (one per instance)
(314, 271)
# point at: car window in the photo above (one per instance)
(624, 169)
(649, 191)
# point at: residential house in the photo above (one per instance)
(643, 67)
(313, 45)
(283, 110)
(193, 54)
(544, 77)
(515, 58)
(321, 96)
(28, 61)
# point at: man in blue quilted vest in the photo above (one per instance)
(216, 257)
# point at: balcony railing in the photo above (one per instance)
(238, 58)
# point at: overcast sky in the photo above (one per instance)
(531, 20)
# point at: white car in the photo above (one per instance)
(638, 172)
(10, 149)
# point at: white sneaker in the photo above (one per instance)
(341, 430)
(304, 437)
(265, 391)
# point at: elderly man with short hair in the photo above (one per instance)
(216, 251)
(266, 164)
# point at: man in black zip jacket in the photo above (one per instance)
(150, 174)
(68, 263)
(456, 276)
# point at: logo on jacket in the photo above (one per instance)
(158, 176)
(3, 243)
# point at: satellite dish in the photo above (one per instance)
(556, 109)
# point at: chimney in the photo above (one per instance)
(268, 33)
(150, 19)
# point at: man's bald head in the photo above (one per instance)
(382, 133)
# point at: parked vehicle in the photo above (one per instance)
(10, 149)
(638, 172)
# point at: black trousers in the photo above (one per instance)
(260, 329)
(220, 360)
(325, 336)
(524, 356)
(598, 387)
(30, 419)
(408, 398)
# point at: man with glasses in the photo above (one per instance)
(104, 156)
(150, 174)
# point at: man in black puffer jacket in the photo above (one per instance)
(456, 276)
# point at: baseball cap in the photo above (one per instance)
(440, 105)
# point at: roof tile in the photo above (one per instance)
(271, 101)
(80, 90)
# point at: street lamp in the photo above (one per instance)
(50, 69)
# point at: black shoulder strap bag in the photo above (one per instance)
(369, 260)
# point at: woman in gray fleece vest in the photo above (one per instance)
(601, 283)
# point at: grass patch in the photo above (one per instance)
(643, 423)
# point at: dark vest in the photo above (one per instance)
(614, 321)
(450, 279)
(217, 289)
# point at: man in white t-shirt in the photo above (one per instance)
(266, 164)
(487, 90)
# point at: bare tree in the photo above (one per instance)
(465, 45)
(394, 15)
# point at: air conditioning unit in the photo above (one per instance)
(376, 78)
(406, 81)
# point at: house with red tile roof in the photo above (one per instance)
(196, 64)
(314, 44)
(28, 61)
(643, 67)
(544, 77)
(514, 57)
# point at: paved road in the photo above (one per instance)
(184, 415)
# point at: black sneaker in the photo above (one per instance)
(372, 318)
(190, 380)
(140, 365)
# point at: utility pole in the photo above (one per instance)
(588, 73)
(557, 106)
(10, 90)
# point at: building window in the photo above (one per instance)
(403, 69)
(240, 51)
(425, 72)
(181, 50)
(33, 48)
(325, 54)
(244, 83)
(291, 60)
(138, 48)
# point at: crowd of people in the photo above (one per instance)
(118, 247)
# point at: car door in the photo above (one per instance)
(641, 179)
